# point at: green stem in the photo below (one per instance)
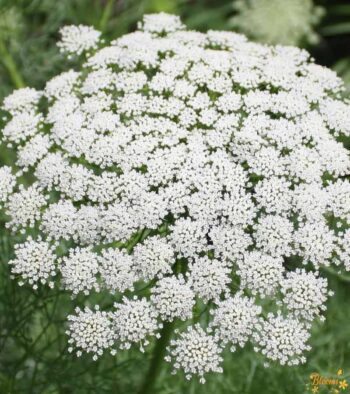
(10, 65)
(106, 14)
(343, 278)
(157, 359)
(139, 237)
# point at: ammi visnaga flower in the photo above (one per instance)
(195, 180)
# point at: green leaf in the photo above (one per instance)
(341, 9)
(336, 29)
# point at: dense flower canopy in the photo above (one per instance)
(183, 174)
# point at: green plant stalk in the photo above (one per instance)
(9, 63)
(332, 271)
(157, 359)
(106, 14)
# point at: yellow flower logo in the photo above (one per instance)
(343, 384)
(335, 383)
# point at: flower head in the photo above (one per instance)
(35, 262)
(234, 319)
(135, 321)
(195, 352)
(181, 175)
(283, 339)
(78, 39)
(173, 298)
(90, 331)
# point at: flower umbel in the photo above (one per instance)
(195, 180)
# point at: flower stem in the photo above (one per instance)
(106, 14)
(157, 359)
(10, 65)
(332, 271)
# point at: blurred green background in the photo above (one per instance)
(33, 346)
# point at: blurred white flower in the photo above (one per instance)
(277, 21)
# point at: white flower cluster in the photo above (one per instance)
(79, 270)
(196, 352)
(78, 39)
(116, 269)
(173, 298)
(153, 258)
(195, 177)
(282, 339)
(134, 320)
(234, 319)
(260, 273)
(7, 183)
(277, 21)
(22, 99)
(304, 293)
(24, 207)
(91, 331)
(34, 262)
